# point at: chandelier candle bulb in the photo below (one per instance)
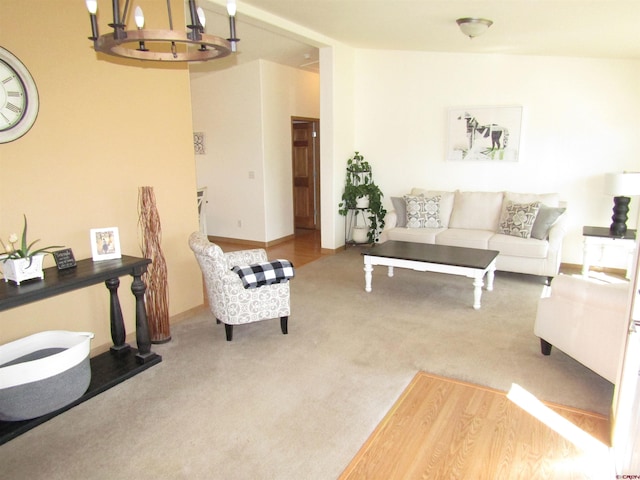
(201, 17)
(139, 18)
(231, 8)
(92, 6)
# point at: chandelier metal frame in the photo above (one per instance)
(135, 43)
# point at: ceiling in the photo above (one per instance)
(575, 28)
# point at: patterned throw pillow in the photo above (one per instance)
(518, 218)
(423, 212)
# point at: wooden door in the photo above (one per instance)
(306, 173)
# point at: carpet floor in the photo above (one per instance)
(300, 406)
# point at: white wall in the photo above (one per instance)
(226, 107)
(286, 92)
(336, 137)
(579, 121)
(245, 113)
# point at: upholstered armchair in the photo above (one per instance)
(586, 320)
(229, 301)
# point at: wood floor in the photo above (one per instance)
(300, 250)
(445, 429)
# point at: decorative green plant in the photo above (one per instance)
(359, 183)
(11, 252)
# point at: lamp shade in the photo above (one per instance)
(622, 184)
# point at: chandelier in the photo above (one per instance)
(161, 45)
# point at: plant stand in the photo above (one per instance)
(352, 229)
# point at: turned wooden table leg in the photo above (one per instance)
(368, 271)
(478, 283)
(118, 333)
(142, 329)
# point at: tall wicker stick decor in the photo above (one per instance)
(156, 295)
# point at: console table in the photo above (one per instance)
(109, 368)
(597, 238)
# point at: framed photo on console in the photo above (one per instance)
(105, 243)
(484, 133)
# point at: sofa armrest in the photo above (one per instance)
(590, 292)
(586, 320)
(557, 233)
(390, 222)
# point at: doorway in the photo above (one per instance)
(305, 157)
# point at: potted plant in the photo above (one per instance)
(359, 187)
(23, 263)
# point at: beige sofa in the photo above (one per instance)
(586, 320)
(527, 229)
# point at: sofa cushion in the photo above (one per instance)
(550, 199)
(519, 247)
(423, 212)
(446, 202)
(546, 218)
(476, 210)
(400, 206)
(458, 237)
(517, 218)
(416, 235)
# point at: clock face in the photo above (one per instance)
(18, 98)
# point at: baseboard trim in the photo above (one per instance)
(131, 336)
(251, 243)
(577, 267)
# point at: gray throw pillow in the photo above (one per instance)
(400, 206)
(547, 216)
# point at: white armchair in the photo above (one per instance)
(586, 320)
(229, 301)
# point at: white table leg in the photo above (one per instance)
(390, 271)
(490, 276)
(477, 291)
(368, 269)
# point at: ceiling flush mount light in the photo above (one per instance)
(472, 27)
(161, 45)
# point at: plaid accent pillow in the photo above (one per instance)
(266, 273)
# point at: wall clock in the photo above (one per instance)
(18, 98)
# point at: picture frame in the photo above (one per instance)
(105, 243)
(199, 146)
(484, 133)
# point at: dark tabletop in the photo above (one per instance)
(440, 254)
(604, 232)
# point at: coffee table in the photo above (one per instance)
(468, 262)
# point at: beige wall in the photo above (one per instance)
(104, 129)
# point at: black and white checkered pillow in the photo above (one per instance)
(266, 273)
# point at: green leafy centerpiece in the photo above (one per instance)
(25, 262)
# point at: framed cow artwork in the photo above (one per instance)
(484, 134)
